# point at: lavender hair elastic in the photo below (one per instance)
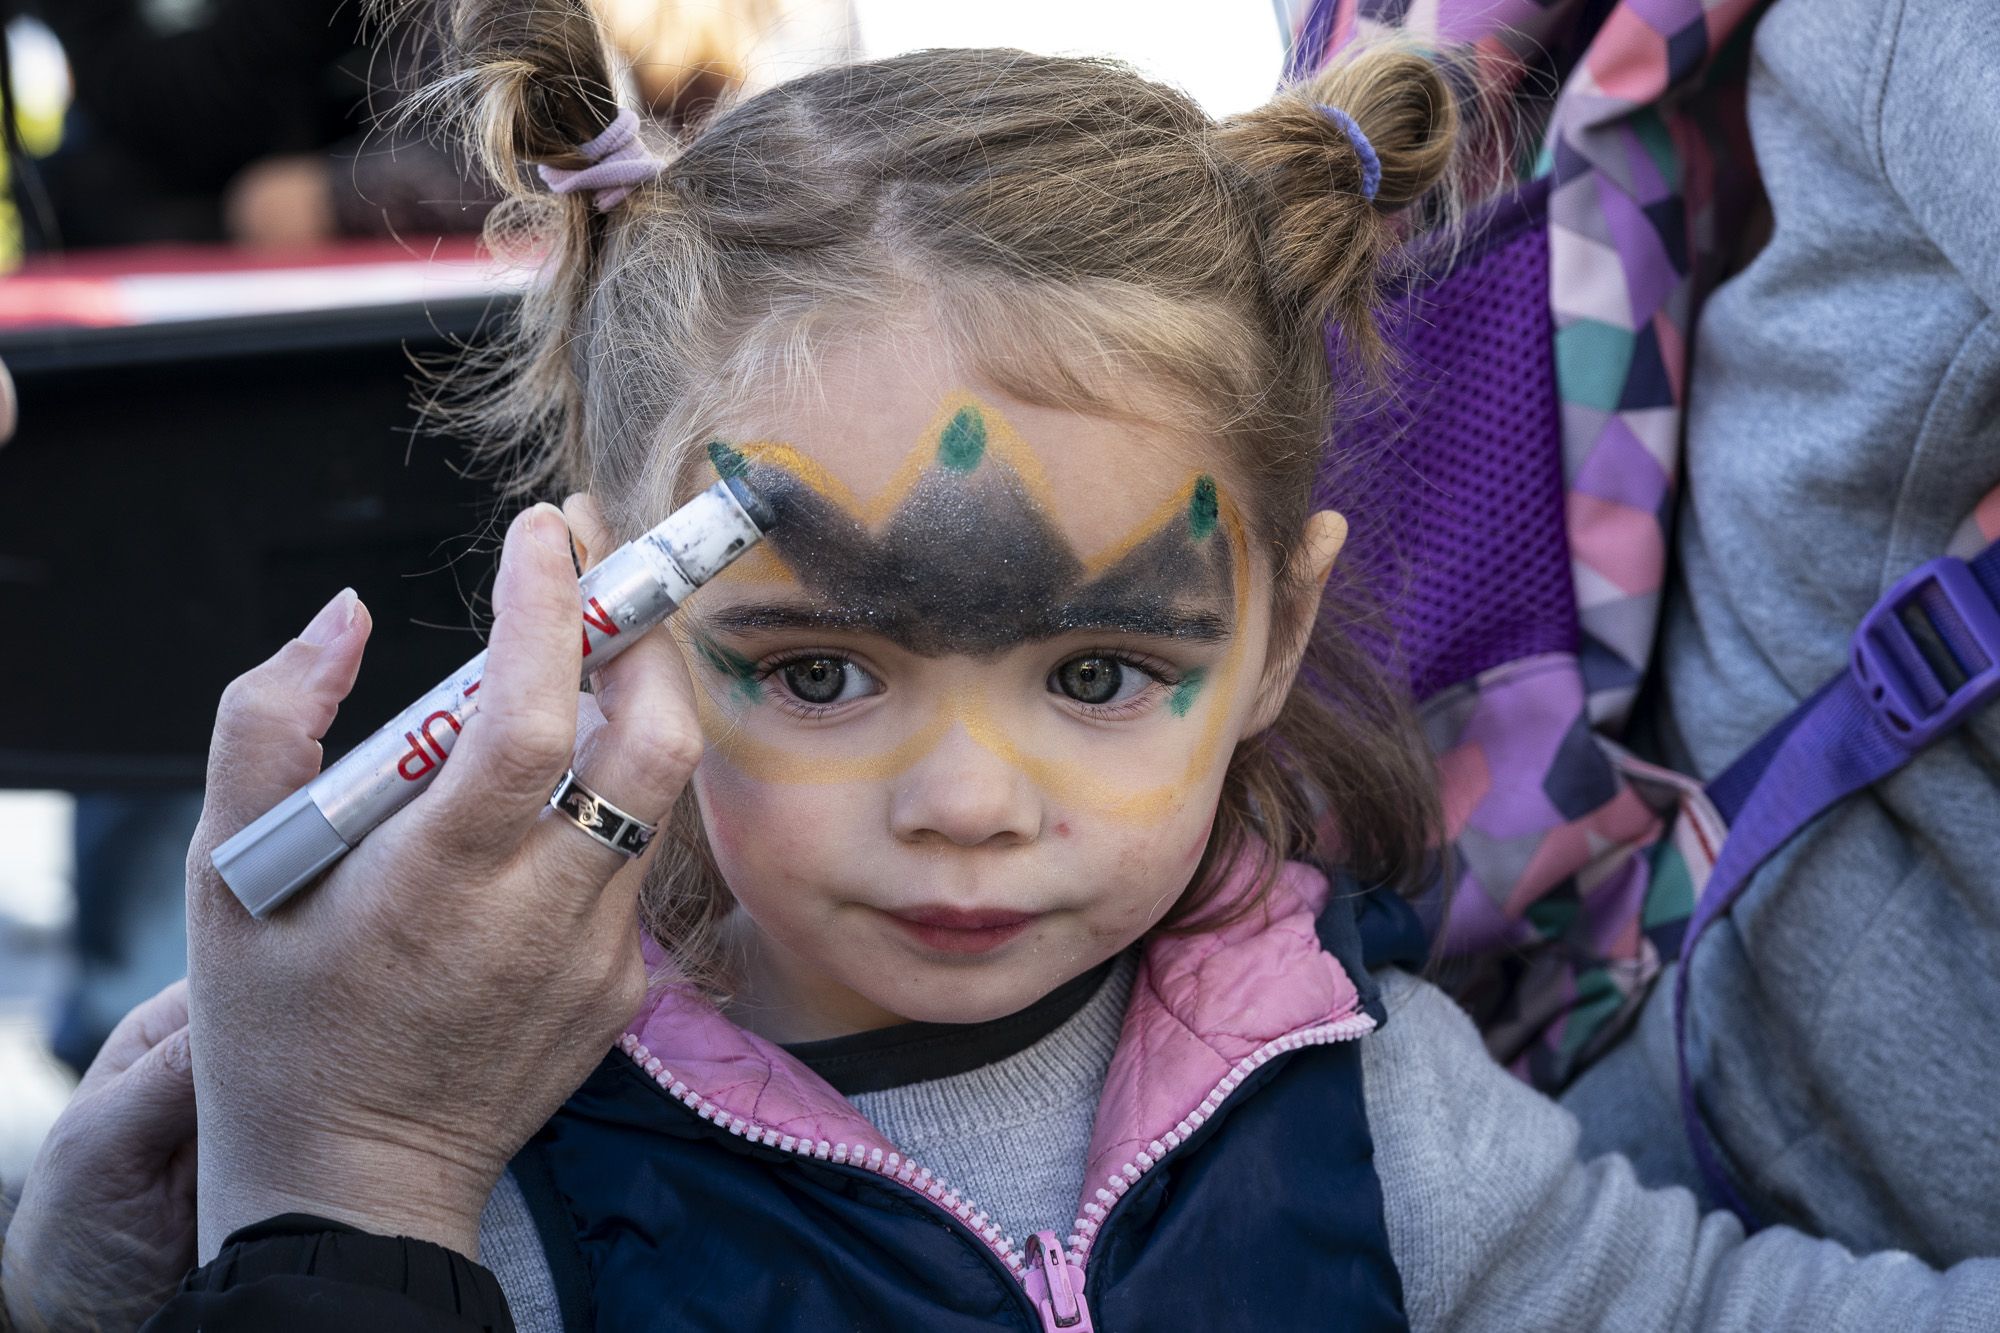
(1371, 165)
(619, 160)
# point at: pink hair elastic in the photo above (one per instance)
(619, 160)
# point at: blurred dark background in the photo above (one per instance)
(221, 256)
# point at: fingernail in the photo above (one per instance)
(545, 525)
(332, 620)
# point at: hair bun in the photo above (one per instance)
(525, 81)
(1325, 233)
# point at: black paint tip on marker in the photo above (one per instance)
(753, 504)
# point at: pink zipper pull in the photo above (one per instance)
(1055, 1285)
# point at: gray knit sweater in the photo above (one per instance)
(1493, 1221)
(1015, 1134)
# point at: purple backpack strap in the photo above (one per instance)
(1924, 660)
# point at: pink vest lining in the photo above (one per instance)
(1202, 1005)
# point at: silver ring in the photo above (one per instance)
(622, 833)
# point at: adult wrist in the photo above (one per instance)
(368, 1186)
(246, 1211)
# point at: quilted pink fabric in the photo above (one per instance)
(1201, 1005)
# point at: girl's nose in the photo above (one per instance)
(963, 793)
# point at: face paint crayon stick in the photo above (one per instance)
(630, 591)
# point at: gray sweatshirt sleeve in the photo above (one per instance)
(1933, 121)
(1495, 1224)
(510, 1246)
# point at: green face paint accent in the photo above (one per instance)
(1190, 685)
(1202, 508)
(963, 442)
(742, 672)
(727, 461)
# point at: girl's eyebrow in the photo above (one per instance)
(927, 638)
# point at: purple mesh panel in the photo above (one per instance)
(1453, 479)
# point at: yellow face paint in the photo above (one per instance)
(953, 445)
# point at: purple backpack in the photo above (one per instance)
(1517, 504)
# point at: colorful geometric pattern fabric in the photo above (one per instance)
(1650, 188)
(1570, 892)
(1648, 156)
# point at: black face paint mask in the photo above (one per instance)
(969, 563)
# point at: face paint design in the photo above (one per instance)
(958, 555)
(742, 672)
(1190, 685)
(969, 562)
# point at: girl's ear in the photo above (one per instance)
(587, 531)
(1325, 535)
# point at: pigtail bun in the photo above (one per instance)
(1323, 239)
(523, 84)
(526, 81)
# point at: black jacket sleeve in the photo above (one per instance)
(305, 1274)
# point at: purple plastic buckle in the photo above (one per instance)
(1912, 664)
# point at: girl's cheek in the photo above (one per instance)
(1152, 866)
(1191, 854)
(789, 833)
(746, 820)
(719, 820)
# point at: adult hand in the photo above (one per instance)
(105, 1226)
(377, 1050)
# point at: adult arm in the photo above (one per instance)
(1496, 1225)
(1935, 127)
(106, 1226)
(290, 1268)
(308, 1274)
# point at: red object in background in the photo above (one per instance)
(164, 284)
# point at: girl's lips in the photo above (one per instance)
(958, 930)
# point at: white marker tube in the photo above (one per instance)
(627, 593)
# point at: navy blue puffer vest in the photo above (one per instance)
(663, 1203)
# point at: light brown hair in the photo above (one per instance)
(1085, 238)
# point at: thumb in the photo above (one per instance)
(149, 1108)
(138, 1032)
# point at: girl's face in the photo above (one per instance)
(969, 708)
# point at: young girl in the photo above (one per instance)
(1001, 984)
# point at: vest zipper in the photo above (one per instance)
(1055, 1286)
(1051, 1273)
(892, 1165)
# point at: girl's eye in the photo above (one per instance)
(824, 681)
(1098, 681)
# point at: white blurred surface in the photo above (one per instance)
(35, 908)
(36, 1090)
(1227, 54)
(35, 865)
